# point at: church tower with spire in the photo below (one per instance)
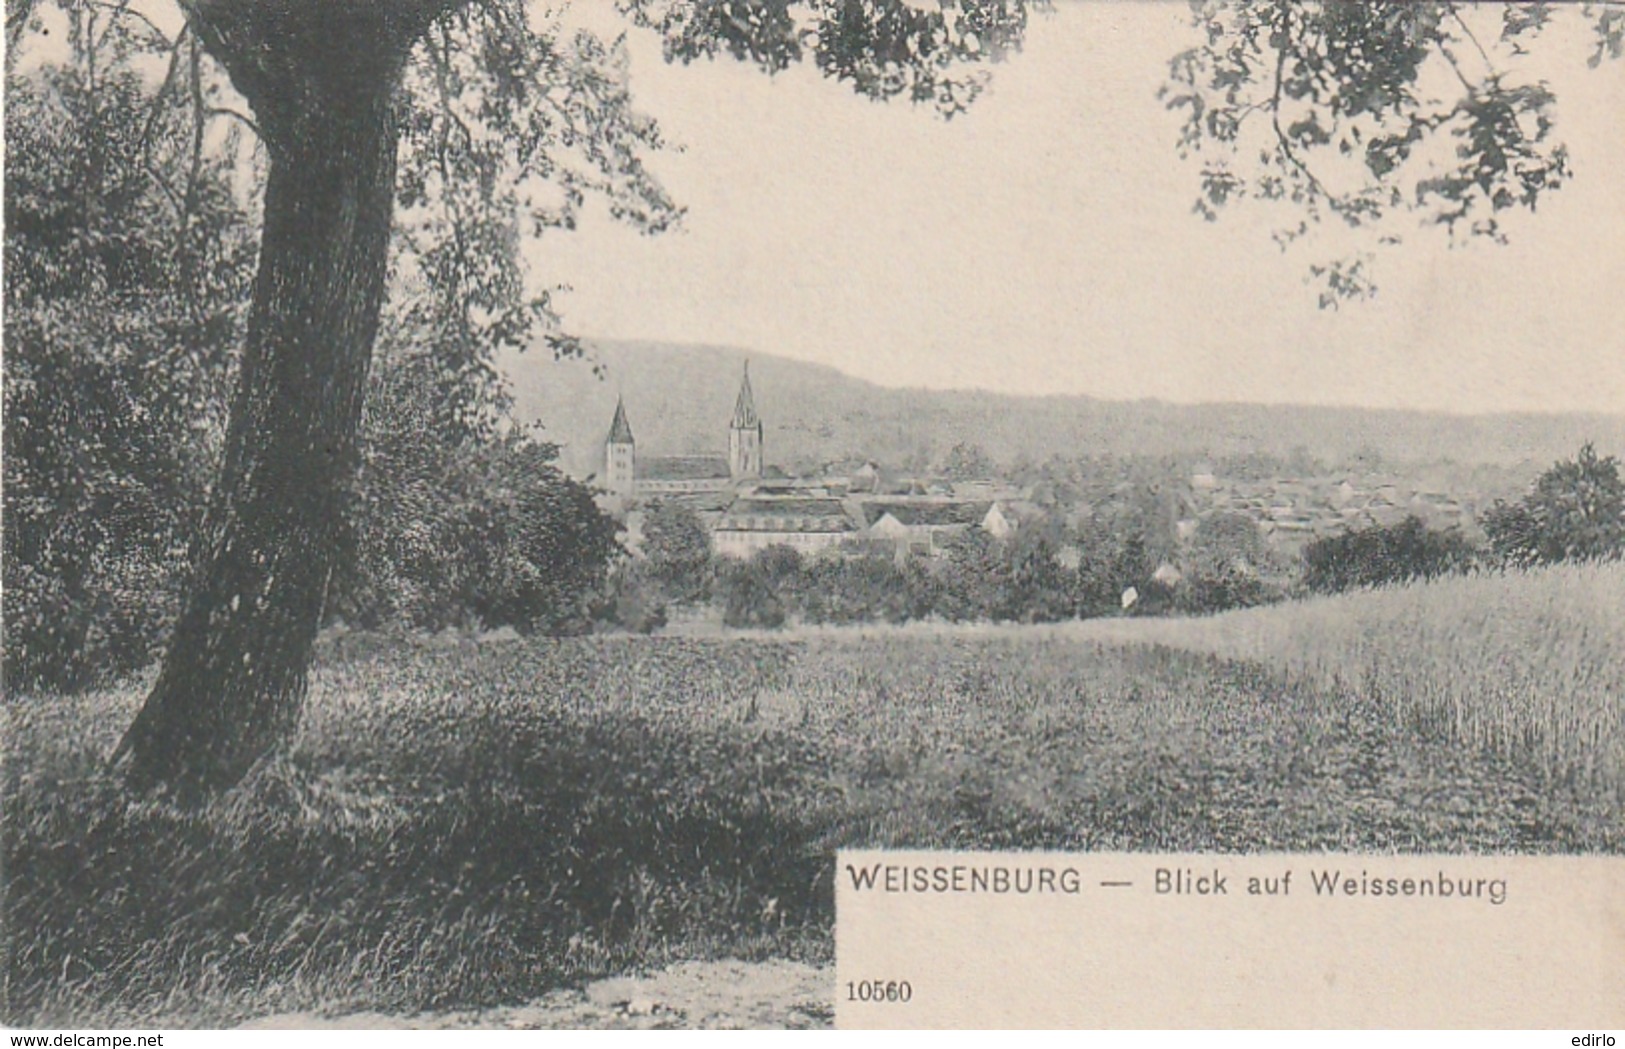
(745, 435)
(620, 456)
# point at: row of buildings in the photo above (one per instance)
(1292, 511)
(749, 505)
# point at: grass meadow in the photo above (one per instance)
(467, 824)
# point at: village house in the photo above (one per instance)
(808, 525)
(925, 527)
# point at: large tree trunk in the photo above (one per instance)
(322, 79)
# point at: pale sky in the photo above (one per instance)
(1044, 243)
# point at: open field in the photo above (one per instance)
(1530, 664)
(471, 824)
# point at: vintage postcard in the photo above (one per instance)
(813, 513)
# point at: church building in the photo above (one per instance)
(749, 508)
(630, 476)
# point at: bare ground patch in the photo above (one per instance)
(720, 995)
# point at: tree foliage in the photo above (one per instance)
(1039, 589)
(1014, 579)
(1575, 512)
(1110, 560)
(864, 588)
(884, 49)
(1354, 114)
(967, 461)
(508, 133)
(128, 252)
(1224, 565)
(633, 599)
(677, 545)
(470, 529)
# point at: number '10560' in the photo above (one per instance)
(878, 991)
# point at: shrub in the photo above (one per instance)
(1156, 598)
(748, 598)
(783, 570)
(1109, 562)
(549, 555)
(1388, 554)
(867, 589)
(1039, 589)
(1514, 534)
(1216, 588)
(536, 561)
(973, 579)
(1575, 512)
(633, 599)
(456, 523)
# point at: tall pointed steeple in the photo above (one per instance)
(745, 434)
(745, 416)
(620, 454)
(620, 431)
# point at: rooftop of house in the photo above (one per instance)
(787, 515)
(682, 468)
(928, 514)
(704, 502)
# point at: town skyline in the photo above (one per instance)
(678, 399)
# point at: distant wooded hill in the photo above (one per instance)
(679, 399)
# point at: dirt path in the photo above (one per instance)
(691, 995)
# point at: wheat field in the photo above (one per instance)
(1530, 664)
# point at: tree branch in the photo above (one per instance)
(195, 168)
(1287, 149)
(1455, 67)
(163, 90)
(122, 7)
(292, 57)
(237, 115)
(163, 184)
(1473, 37)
